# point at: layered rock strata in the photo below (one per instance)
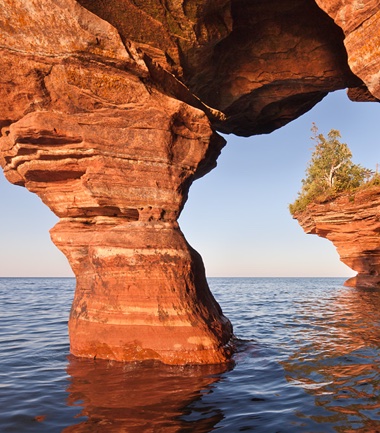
(114, 158)
(261, 63)
(109, 112)
(141, 291)
(360, 22)
(352, 223)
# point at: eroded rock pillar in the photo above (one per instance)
(114, 159)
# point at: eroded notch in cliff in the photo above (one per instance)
(129, 214)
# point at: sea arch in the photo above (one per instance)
(111, 113)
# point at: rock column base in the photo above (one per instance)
(141, 294)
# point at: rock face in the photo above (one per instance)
(260, 63)
(352, 223)
(135, 272)
(360, 22)
(109, 112)
(114, 158)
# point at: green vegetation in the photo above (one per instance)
(330, 172)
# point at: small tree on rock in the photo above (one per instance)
(330, 171)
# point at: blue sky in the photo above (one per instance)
(236, 217)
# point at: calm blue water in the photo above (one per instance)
(308, 360)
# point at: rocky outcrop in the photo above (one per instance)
(261, 63)
(114, 158)
(135, 271)
(360, 22)
(109, 112)
(352, 223)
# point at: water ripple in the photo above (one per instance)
(308, 360)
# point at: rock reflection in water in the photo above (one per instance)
(338, 361)
(140, 397)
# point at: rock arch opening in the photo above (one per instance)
(237, 217)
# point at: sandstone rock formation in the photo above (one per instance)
(360, 22)
(109, 112)
(261, 63)
(114, 158)
(352, 223)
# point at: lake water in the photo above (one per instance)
(308, 360)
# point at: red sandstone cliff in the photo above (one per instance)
(352, 223)
(109, 112)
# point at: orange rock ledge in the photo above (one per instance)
(352, 223)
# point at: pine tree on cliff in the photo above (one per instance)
(329, 172)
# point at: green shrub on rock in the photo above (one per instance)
(329, 172)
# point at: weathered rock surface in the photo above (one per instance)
(261, 63)
(360, 21)
(352, 223)
(135, 272)
(109, 112)
(114, 159)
